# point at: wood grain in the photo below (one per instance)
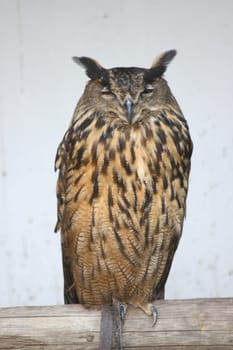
(182, 324)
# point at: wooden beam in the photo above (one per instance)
(205, 324)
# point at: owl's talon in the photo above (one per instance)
(155, 316)
(122, 312)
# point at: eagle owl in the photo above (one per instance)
(124, 165)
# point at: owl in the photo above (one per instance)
(124, 166)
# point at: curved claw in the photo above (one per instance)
(155, 316)
(122, 312)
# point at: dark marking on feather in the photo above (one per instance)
(144, 217)
(124, 210)
(78, 193)
(100, 122)
(132, 151)
(86, 122)
(110, 130)
(134, 248)
(157, 228)
(106, 134)
(91, 240)
(110, 214)
(149, 133)
(80, 156)
(147, 228)
(119, 241)
(163, 207)
(122, 248)
(157, 163)
(161, 134)
(102, 249)
(156, 121)
(121, 144)
(183, 166)
(126, 225)
(172, 162)
(127, 203)
(94, 175)
(95, 190)
(135, 197)
(167, 218)
(176, 140)
(105, 164)
(67, 201)
(154, 182)
(127, 132)
(67, 177)
(188, 150)
(93, 217)
(112, 154)
(70, 221)
(150, 166)
(110, 198)
(178, 201)
(178, 115)
(123, 273)
(94, 153)
(117, 225)
(85, 161)
(68, 187)
(118, 180)
(125, 165)
(143, 141)
(159, 150)
(165, 120)
(115, 176)
(181, 178)
(98, 264)
(134, 230)
(172, 197)
(165, 182)
(85, 134)
(146, 269)
(152, 240)
(147, 200)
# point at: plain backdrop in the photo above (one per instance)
(39, 88)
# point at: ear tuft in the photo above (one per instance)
(164, 59)
(159, 65)
(93, 69)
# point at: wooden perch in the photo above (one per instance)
(182, 324)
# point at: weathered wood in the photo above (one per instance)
(205, 324)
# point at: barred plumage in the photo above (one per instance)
(123, 178)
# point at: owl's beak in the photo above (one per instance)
(129, 108)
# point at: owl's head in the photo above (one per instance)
(127, 92)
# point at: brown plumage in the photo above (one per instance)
(123, 165)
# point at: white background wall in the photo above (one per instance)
(39, 87)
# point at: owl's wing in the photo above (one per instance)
(176, 161)
(70, 296)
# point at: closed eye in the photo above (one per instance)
(148, 89)
(106, 91)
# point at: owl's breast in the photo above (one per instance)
(124, 208)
